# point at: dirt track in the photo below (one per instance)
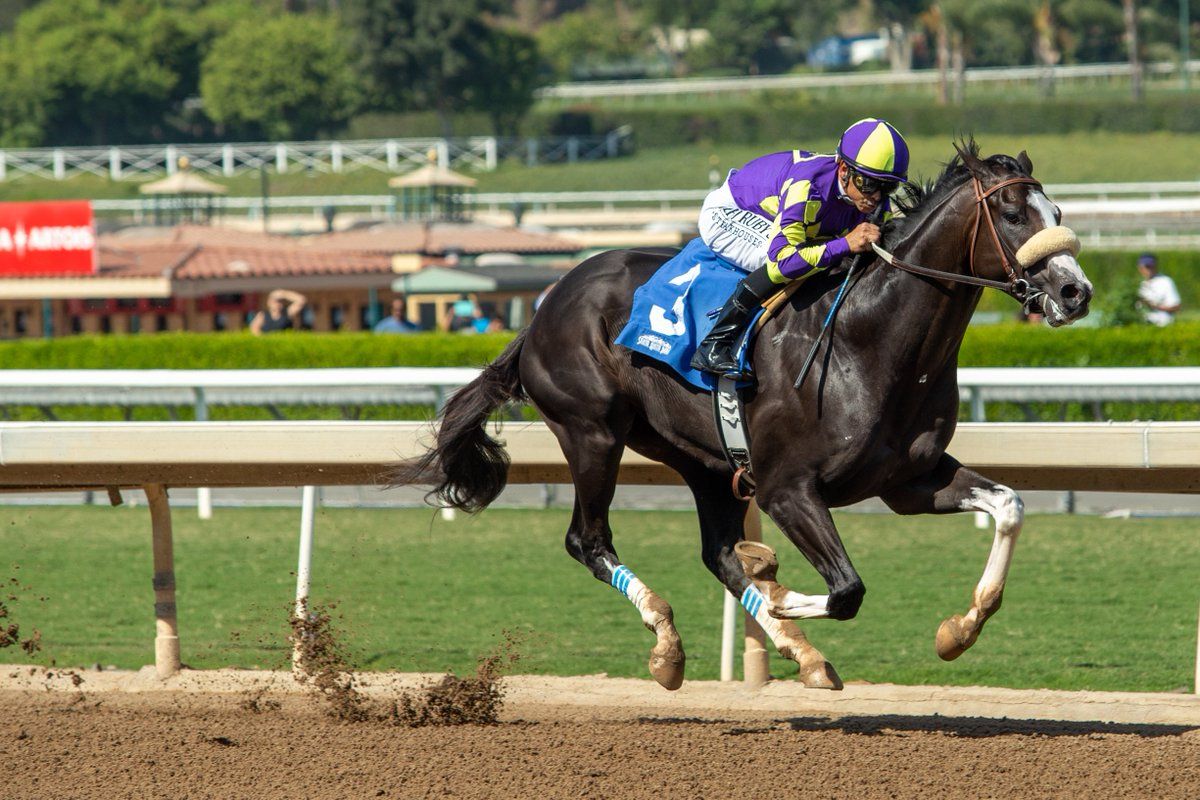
(111, 737)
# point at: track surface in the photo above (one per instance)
(114, 737)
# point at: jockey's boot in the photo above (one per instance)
(717, 353)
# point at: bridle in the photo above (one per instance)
(1015, 285)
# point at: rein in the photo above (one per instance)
(1016, 285)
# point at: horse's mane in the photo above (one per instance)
(918, 199)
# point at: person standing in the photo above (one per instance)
(1158, 296)
(397, 321)
(283, 312)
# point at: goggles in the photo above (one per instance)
(868, 185)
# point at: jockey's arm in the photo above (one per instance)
(795, 251)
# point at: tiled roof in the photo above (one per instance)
(409, 237)
(222, 262)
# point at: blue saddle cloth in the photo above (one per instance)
(674, 310)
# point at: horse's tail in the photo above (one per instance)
(466, 467)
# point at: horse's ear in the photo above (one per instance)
(1024, 163)
(966, 154)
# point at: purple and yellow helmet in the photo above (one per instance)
(875, 148)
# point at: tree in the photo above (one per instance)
(283, 77)
(504, 88)
(746, 33)
(581, 41)
(89, 72)
(419, 52)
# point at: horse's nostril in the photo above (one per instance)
(1071, 291)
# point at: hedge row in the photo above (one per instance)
(1010, 344)
(767, 118)
(774, 120)
(243, 351)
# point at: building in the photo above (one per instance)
(200, 278)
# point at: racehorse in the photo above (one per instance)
(874, 423)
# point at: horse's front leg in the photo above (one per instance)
(948, 488)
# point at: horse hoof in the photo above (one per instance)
(952, 638)
(758, 560)
(666, 667)
(821, 676)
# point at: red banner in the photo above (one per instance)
(52, 238)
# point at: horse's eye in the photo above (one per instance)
(1011, 218)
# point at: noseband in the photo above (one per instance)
(1016, 285)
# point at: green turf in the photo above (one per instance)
(1058, 158)
(1091, 604)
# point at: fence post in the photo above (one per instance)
(281, 158)
(227, 160)
(610, 144)
(335, 156)
(172, 158)
(3, 166)
(572, 150)
(489, 153)
(531, 152)
(166, 640)
(114, 163)
(393, 157)
(60, 166)
(443, 153)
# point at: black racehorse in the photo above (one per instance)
(873, 420)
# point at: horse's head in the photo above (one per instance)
(1017, 237)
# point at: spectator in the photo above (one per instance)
(283, 312)
(497, 324)
(1157, 296)
(459, 316)
(397, 321)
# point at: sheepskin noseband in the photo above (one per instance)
(1058, 239)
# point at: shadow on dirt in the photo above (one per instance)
(980, 727)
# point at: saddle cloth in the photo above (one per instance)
(675, 309)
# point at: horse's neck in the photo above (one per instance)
(918, 321)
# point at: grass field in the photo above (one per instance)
(1058, 158)
(1091, 603)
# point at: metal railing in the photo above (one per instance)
(914, 78)
(383, 155)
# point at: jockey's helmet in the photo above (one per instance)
(874, 148)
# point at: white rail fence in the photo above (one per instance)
(229, 159)
(352, 388)
(157, 456)
(928, 77)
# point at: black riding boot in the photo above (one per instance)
(717, 353)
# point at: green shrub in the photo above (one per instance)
(1016, 344)
(243, 351)
(772, 118)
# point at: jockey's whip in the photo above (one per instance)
(861, 258)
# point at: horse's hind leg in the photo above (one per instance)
(948, 488)
(747, 569)
(594, 455)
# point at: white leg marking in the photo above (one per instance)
(794, 605)
(1006, 508)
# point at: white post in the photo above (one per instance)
(490, 153)
(203, 493)
(204, 502)
(308, 510)
(114, 163)
(281, 158)
(443, 153)
(393, 156)
(728, 629)
(227, 160)
(335, 156)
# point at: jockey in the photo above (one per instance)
(787, 215)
